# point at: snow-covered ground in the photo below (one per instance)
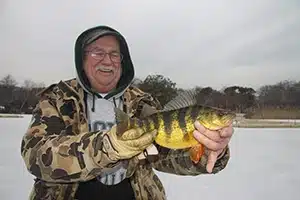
(264, 165)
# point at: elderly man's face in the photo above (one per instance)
(102, 63)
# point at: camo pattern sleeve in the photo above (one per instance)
(55, 151)
(179, 162)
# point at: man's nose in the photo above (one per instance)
(106, 60)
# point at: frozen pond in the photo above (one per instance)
(264, 165)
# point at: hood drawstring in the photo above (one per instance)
(114, 99)
(120, 102)
(93, 108)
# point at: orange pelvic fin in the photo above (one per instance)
(196, 152)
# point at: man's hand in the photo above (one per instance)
(214, 141)
(131, 143)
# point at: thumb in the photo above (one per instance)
(212, 158)
(132, 134)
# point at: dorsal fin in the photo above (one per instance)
(147, 111)
(183, 99)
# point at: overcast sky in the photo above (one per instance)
(204, 43)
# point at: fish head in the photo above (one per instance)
(215, 118)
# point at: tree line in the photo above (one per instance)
(17, 98)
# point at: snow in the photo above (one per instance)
(264, 165)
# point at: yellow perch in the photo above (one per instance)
(175, 123)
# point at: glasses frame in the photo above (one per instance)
(91, 52)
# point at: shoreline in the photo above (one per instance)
(266, 126)
(238, 123)
(7, 115)
(266, 123)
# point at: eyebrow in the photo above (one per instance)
(99, 48)
(93, 48)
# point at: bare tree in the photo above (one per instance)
(8, 81)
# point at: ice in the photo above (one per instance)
(264, 165)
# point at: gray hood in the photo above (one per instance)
(91, 35)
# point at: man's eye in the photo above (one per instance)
(99, 53)
(115, 55)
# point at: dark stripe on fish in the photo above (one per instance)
(154, 118)
(139, 122)
(167, 119)
(131, 123)
(194, 112)
(181, 119)
(134, 122)
(146, 123)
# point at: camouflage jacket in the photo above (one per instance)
(57, 147)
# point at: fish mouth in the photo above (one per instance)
(104, 69)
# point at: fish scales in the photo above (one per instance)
(167, 119)
(154, 121)
(147, 124)
(132, 122)
(190, 117)
(177, 133)
(161, 124)
(175, 128)
(183, 122)
(195, 110)
(181, 117)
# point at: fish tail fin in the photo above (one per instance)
(122, 121)
(125, 122)
(196, 152)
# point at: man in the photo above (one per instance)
(71, 145)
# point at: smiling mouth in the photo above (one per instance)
(104, 69)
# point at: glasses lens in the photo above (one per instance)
(114, 56)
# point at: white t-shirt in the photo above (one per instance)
(103, 118)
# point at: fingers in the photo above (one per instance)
(132, 134)
(212, 158)
(213, 135)
(208, 143)
(227, 132)
(144, 141)
(214, 141)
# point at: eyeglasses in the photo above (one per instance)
(99, 55)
